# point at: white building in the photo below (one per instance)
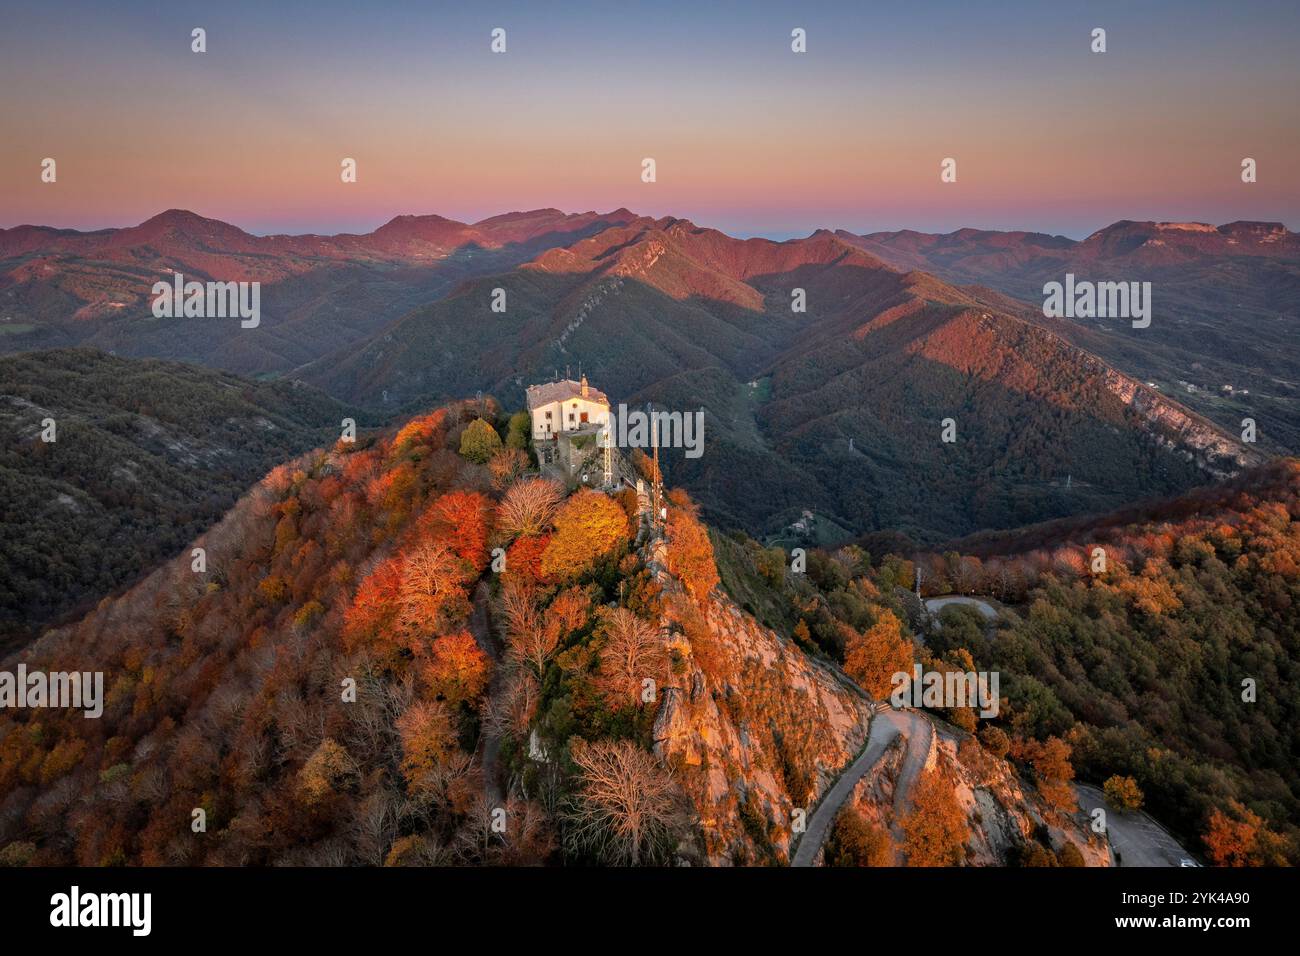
(565, 406)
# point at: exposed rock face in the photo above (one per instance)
(752, 727)
(1176, 427)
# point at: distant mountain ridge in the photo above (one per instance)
(60, 287)
(1226, 303)
(833, 357)
(847, 397)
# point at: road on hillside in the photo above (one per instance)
(937, 604)
(1135, 838)
(885, 726)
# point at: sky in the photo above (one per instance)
(747, 136)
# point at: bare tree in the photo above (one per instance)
(632, 653)
(375, 825)
(512, 711)
(432, 583)
(626, 806)
(518, 607)
(529, 506)
(530, 640)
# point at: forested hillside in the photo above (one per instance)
(1225, 301)
(407, 650)
(62, 288)
(146, 455)
(1159, 648)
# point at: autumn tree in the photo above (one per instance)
(529, 506)
(632, 653)
(1241, 838)
(644, 465)
(524, 560)
(624, 810)
(506, 466)
(422, 431)
(479, 442)
(368, 620)
(1051, 762)
(935, 829)
(417, 850)
(855, 841)
(1123, 792)
(428, 739)
(329, 768)
(995, 740)
(873, 657)
(461, 520)
(588, 527)
(457, 669)
(432, 592)
(690, 552)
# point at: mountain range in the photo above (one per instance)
(1226, 299)
(898, 391)
(845, 400)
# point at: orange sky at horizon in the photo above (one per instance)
(774, 145)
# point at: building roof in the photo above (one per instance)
(563, 390)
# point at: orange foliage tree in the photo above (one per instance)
(432, 594)
(588, 527)
(457, 669)
(461, 519)
(935, 829)
(524, 560)
(1051, 762)
(690, 552)
(1240, 838)
(428, 740)
(873, 657)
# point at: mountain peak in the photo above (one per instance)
(182, 220)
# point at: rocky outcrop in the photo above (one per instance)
(1178, 428)
(753, 728)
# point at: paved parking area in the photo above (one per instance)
(1135, 838)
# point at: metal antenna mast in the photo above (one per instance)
(654, 444)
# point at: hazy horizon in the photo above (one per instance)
(365, 229)
(748, 136)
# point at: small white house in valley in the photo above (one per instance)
(565, 406)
